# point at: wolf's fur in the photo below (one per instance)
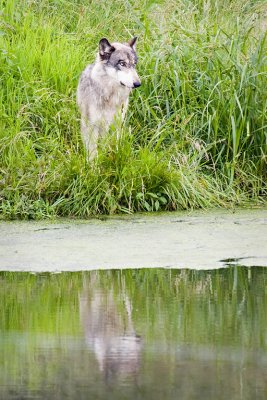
(104, 89)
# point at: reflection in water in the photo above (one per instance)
(109, 330)
(134, 334)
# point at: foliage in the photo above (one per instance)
(195, 134)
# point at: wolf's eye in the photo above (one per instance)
(122, 63)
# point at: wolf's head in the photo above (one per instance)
(120, 61)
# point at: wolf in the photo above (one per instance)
(104, 88)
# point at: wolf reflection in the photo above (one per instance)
(109, 331)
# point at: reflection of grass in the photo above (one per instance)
(224, 306)
(40, 319)
(196, 130)
(42, 303)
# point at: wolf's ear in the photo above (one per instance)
(105, 49)
(132, 43)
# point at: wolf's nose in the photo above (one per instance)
(137, 84)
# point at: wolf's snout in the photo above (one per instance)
(137, 84)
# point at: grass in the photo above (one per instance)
(196, 131)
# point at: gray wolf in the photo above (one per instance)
(104, 88)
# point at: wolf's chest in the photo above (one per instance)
(114, 98)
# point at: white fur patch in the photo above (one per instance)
(128, 78)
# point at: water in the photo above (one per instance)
(134, 334)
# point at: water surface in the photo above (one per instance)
(134, 334)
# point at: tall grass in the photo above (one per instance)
(196, 131)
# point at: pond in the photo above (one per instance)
(134, 334)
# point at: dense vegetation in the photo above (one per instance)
(195, 134)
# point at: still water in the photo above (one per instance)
(134, 334)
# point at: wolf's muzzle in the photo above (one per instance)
(136, 84)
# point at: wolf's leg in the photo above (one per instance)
(119, 118)
(124, 109)
(90, 137)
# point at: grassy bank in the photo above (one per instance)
(195, 134)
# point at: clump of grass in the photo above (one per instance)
(195, 134)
